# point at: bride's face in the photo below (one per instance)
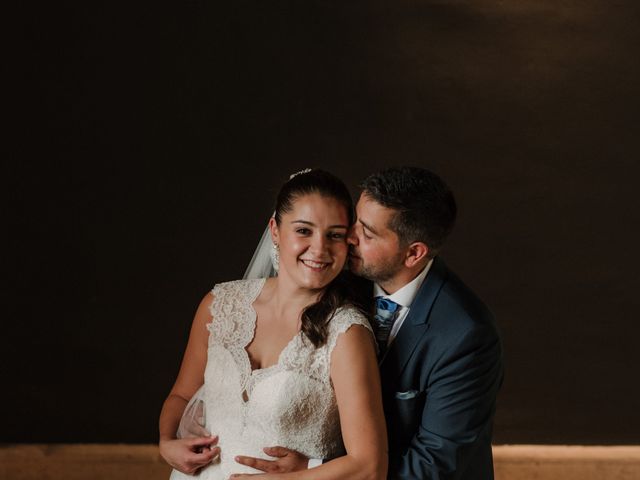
(312, 241)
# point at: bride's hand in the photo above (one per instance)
(190, 454)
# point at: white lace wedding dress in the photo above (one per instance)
(290, 404)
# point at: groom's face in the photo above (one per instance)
(374, 251)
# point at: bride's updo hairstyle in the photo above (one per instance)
(316, 317)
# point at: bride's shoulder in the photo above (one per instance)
(241, 287)
(346, 316)
(349, 328)
(349, 311)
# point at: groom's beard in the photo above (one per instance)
(379, 273)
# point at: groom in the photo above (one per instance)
(441, 357)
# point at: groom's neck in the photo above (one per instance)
(404, 276)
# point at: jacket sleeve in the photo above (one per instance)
(457, 416)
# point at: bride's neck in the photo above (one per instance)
(286, 295)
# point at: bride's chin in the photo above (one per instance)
(314, 283)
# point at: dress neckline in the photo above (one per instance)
(254, 324)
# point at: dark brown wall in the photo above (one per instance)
(146, 146)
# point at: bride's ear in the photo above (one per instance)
(275, 233)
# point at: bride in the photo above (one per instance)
(286, 361)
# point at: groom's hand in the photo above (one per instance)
(285, 461)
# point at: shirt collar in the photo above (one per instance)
(405, 295)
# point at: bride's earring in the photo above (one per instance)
(275, 256)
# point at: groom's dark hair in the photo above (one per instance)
(425, 206)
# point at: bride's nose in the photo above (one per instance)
(319, 244)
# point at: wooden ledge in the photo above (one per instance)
(142, 462)
(564, 453)
(81, 462)
(566, 462)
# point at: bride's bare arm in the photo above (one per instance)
(187, 455)
(356, 381)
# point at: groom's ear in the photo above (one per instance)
(416, 252)
(273, 228)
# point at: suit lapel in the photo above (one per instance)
(417, 321)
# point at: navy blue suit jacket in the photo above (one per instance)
(440, 377)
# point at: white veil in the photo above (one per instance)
(261, 264)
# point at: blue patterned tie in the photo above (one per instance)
(386, 313)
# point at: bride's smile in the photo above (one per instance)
(318, 266)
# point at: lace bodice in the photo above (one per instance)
(291, 403)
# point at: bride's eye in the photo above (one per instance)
(303, 231)
(337, 235)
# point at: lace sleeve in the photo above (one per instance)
(232, 312)
(345, 318)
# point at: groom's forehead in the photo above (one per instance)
(370, 211)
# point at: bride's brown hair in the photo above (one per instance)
(316, 317)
